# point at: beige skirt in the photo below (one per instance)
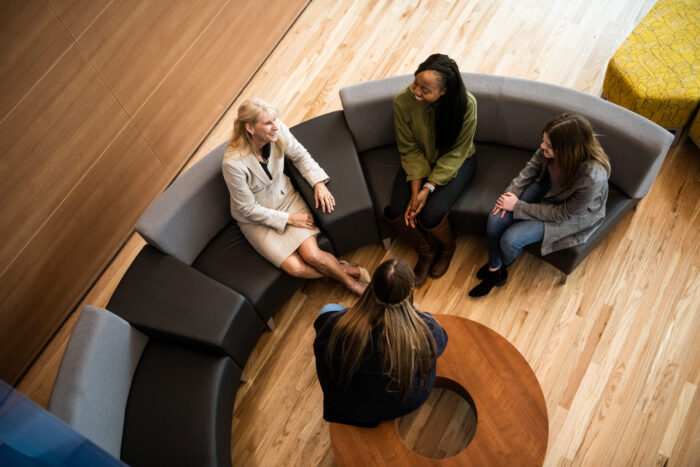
(272, 245)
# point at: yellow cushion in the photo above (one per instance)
(655, 72)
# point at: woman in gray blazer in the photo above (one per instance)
(557, 199)
(270, 212)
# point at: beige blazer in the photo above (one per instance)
(570, 214)
(254, 197)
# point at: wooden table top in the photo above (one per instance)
(512, 424)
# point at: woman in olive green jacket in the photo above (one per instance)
(434, 122)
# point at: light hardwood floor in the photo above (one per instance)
(616, 349)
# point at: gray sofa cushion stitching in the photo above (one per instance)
(93, 382)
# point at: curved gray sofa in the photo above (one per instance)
(510, 116)
(144, 400)
(199, 286)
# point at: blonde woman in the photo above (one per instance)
(270, 212)
(376, 360)
(558, 199)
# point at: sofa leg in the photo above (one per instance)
(244, 377)
(387, 243)
(270, 324)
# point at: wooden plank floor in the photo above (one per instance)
(616, 349)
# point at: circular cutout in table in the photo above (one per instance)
(512, 426)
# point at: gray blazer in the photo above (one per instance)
(570, 214)
(254, 197)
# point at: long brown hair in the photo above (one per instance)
(404, 341)
(573, 142)
(251, 111)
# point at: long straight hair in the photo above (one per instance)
(404, 342)
(573, 143)
(251, 111)
(451, 106)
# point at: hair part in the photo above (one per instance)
(573, 143)
(251, 111)
(451, 106)
(404, 342)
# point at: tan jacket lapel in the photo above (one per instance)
(254, 166)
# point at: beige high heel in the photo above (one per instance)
(365, 277)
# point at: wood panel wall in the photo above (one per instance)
(102, 102)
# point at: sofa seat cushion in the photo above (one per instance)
(164, 297)
(380, 166)
(232, 261)
(496, 166)
(179, 408)
(566, 260)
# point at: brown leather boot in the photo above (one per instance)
(445, 238)
(417, 239)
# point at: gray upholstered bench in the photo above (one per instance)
(143, 400)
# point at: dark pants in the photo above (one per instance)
(439, 201)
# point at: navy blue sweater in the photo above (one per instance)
(366, 402)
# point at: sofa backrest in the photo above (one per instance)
(512, 112)
(93, 382)
(190, 212)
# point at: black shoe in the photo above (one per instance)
(481, 273)
(492, 279)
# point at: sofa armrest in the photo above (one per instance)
(190, 212)
(352, 223)
(165, 298)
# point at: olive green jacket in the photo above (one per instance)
(414, 125)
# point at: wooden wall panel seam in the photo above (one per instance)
(194, 153)
(187, 51)
(70, 192)
(75, 39)
(36, 83)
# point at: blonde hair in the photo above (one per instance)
(404, 341)
(250, 112)
(573, 142)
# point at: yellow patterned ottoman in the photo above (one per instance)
(655, 72)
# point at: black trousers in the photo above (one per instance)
(439, 201)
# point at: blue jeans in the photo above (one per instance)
(507, 237)
(331, 307)
(439, 202)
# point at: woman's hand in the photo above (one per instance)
(505, 202)
(415, 206)
(302, 220)
(323, 197)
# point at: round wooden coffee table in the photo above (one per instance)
(512, 425)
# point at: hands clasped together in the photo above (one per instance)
(415, 206)
(505, 202)
(323, 198)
